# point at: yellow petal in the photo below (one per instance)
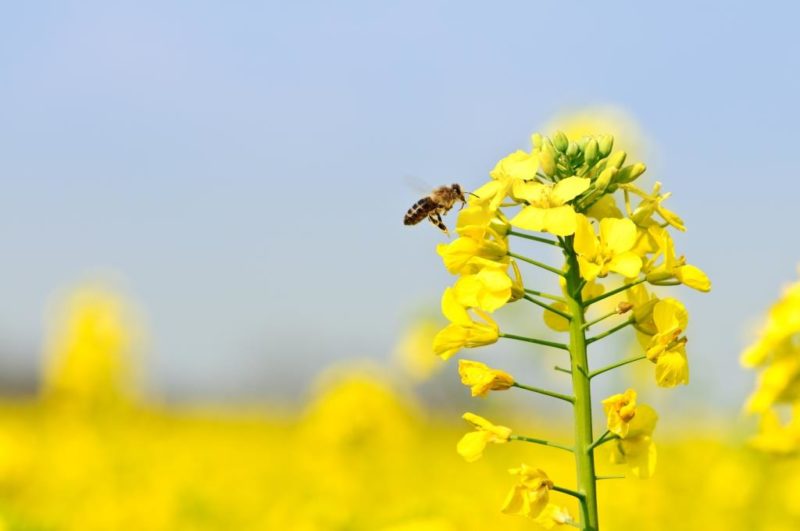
(568, 189)
(672, 368)
(449, 341)
(627, 264)
(694, 277)
(619, 235)
(585, 242)
(471, 445)
(530, 218)
(555, 321)
(453, 310)
(589, 270)
(560, 220)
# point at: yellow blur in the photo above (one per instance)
(360, 455)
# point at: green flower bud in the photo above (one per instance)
(630, 173)
(560, 141)
(604, 179)
(547, 158)
(591, 152)
(536, 139)
(605, 143)
(616, 160)
(572, 149)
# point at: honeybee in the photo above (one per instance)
(434, 205)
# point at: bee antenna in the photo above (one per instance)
(473, 195)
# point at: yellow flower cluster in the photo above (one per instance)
(777, 353)
(562, 194)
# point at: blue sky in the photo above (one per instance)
(244, 166)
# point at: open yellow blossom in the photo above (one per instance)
(478, 222)
(510, 172)
(620, 410)
(670, 318)
(530, 496)
(672, 267)
(643, 303)
(463, 331)
(667, 348)
(488, 289)
(481, 379)
(547, 209)
(471, 445)
(651, 204)
(466, 255)
(637, 448)
(610, 252)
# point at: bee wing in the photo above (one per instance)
(418, 184)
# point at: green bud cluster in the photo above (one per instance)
(592, 157)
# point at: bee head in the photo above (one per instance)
(457, 190)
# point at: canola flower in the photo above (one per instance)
(563, 194)
(776, 353)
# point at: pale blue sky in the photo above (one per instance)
(244, 164)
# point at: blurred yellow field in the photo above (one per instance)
(383, 466)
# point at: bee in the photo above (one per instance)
(434, 205)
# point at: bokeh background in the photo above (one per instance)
(206, 199)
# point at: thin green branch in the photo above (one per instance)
(613, 292)
(562, 369)
(610, 331)
(607, 436)
(560, 396)
(608, 477)
(547, 307)
(534, 238)
(613, 366)
(545, 295)
(537, 264)
(544, 342)
(543, 442)
(570, 492)
(606, 316)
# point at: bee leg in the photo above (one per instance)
(436, 219)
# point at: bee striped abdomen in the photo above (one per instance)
(419, 211)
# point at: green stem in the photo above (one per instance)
(613, 292)
(569, 492)
(547, 307)
(543, 442)
(607, 436)
(613, 366)
(584, 454)
(610, 331)
(566, 398)
(534, 238)
(537, 264)
(604, 317)
(599, 478)
(544, 342)
(545, 295)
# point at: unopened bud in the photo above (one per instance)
(630, 173)
(591, 152)
(604, 179)
(606, 144)
(560, 141)
(572, 149)
(536, 140)
(547, 158)
(616, 160)
(624, 307)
